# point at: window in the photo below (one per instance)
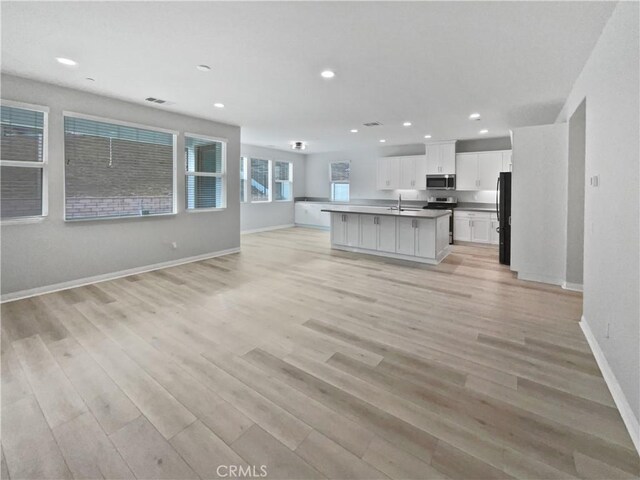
(243, 179)
(23, 166)
(339, 178)
(283, 175)
(260, 180)
(206, 172)
(117, 170)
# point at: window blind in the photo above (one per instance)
(283, 184)
(339, 172)
(243, 179)
(260, 180)
(22, 162)
(114, 170)
(205, 179)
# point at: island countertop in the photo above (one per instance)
(429, 213)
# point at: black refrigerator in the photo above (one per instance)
(503, 208)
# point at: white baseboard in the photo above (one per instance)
(574, 287)
(317, 227)
(534, 277)
(266, 229)
(9, 297)
(629, 418)
(398, 256)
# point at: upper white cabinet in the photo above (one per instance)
(480, 170)
(441, 158)
(406, 173)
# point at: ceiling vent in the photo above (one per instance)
(155, 100)
(372, 124)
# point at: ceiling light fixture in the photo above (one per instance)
(382, 140)
(218, 105)
(328, 74)
(66, 61)
(406, 124)
(427, 136)
(298, 145)
(483, 131)
(203, 68)
(474, 116)
(354, 130)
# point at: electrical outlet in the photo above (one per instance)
(594, 181)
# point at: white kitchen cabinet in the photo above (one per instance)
(467, 171)
(301, 213)
(461, 229)
(378, 232)
(388, 173)
(441, 158)
(425, 238)
(469, 226)
(494, 236)
(345, 229)
(406, 236)
(405, 173)
(480, 170)
(311, 214)
(480, 228)
(489, 168)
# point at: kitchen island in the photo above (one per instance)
(416, 235)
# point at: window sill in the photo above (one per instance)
(21, 221)
(204, 210)
(261, 201)
(282, 201)
(127, 217)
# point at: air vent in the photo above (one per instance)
(155, 100)
(372, 124)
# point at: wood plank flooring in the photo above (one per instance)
(312, 363)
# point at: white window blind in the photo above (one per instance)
(115, 170)
(243, 179)
(283, 176)
(206, 173)
(339, 179)
(260, 180)
(22, 163)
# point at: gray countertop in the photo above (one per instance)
(386, 211)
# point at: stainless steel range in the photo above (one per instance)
(444, 203)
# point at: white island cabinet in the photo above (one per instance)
(419, 236)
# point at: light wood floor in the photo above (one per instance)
(311, 362)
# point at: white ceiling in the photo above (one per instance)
(431, 63)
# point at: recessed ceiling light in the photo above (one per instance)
(406, 124)
(354, 130)
(483, 131)
(203, 68)
(427, 136)
(328, 74)
(218, 105)
(66, 61)
(382, 140)
(474, 116)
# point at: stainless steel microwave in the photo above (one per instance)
(441, 182)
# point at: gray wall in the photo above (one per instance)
(609, 82)
(363, 170)
(256, 216)
(52, 251)
(575, 196)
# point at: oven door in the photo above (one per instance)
(441, 182)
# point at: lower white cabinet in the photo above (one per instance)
(308, 213)
(406, 243)
(416, 237)
(473, 226)
(378, 232)
(494, 236)
(345, 229)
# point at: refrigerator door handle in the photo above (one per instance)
(498, 198)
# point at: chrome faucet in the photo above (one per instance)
(399, 202)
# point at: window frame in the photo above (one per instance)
(270, 180)
(244, 162)
(284, 181)
(222, 175)
(44, 165)
(331, 182)
(124, 123)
